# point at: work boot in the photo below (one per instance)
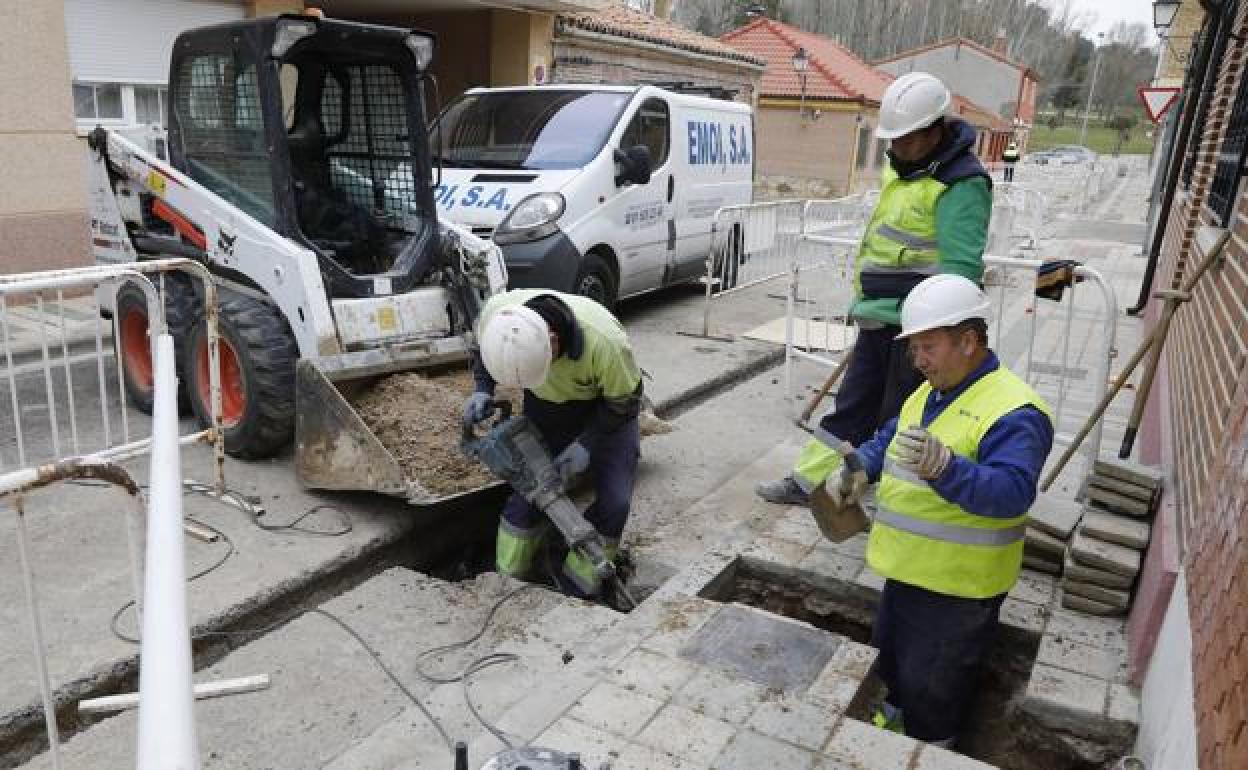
(888, 717)
(783, 491)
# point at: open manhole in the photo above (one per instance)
(996, 730)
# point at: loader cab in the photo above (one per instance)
(315, 128)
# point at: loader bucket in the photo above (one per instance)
(335, 449)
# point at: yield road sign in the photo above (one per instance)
(1157, 101)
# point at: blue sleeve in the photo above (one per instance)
(1002, 484)
(481, 378)
(872, 450)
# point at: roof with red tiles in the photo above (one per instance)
(835, 72)
(965, 42)
(618, 20)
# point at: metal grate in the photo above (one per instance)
(371, 167)
(222, 129)
(1231, 159)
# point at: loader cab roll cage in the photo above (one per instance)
(316, 128)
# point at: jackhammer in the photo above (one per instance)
(513, 450)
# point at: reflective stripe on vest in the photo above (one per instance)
(922, 539)
(909, 240)
(947, 532)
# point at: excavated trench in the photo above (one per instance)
(997, 731)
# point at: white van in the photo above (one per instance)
(606, 191)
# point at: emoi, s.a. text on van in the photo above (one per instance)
(606, 191)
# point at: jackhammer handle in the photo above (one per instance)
(502, 406)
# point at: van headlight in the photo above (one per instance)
(531, 219)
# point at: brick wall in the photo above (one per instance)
(1208, 397)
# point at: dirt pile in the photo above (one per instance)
(417, 417)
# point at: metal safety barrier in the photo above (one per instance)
(66, 401)
(1029, 210)
(759, 242)
(68, 413)
(816, 332)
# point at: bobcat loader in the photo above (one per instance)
(299, 174)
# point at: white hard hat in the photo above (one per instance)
(913, 101)
(940, 301)
(515, 347)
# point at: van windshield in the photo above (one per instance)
(544, 129)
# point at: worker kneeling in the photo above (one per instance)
(957, 472)
(583, 391)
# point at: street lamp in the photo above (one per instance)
(1087, 108)
(801, 63)
(1163, 14)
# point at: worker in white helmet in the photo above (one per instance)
(583, 391)
(957, 471)
(1009, 157)
(932, 217)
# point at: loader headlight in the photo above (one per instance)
(421, 47)
(531, 219)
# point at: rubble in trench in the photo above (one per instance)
(417, 417)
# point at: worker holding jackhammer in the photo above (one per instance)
(932, 217)
(957, 471)
(583, 392)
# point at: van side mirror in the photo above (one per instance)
(635, 165)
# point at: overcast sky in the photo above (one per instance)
(1107, 12)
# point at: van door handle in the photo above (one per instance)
(671, 187)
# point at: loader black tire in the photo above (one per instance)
(258, 356)
(596, 280)
(182, 305)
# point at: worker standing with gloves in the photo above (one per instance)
(583, 392)
(1009, 157)
(957, 472)
(932, 217)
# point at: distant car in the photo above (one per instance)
(1073, 154)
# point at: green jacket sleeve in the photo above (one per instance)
(962, 216)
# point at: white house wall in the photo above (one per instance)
(987, 81)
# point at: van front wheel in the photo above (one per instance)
(596, 281)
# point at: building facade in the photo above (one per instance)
(1189, 630)
(71, 65)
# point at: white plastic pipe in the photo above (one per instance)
(166, 693)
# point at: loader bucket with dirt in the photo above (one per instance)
(396, 434)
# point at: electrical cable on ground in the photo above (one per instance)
(463, 678)
(242, 502)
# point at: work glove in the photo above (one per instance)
(849, 489)
(478, 407)
(572, 462)
(921, 453)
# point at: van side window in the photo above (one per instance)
(651, 127)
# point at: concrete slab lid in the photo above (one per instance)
(816, 334)
(764, 648)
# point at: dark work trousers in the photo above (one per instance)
(879, 379)
(612, 463)
(931, 650)
(1009, 172)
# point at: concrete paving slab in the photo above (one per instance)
(1136, 473)
(861, 745)
(686, 734)
(1064, 699)
(1074, 601)
(1043, 545)
(718, 695)
(1124, 704)
(1107, 596)
(749, 750)
(1034, 587)
(794, 720)
(1124, 488)
(1042, 565)
(935, 758)
(1085, 574)
(1062, 652)
(1133, 533)
(1105, 633)
(1113, 501)
(1054, 515)
(1107, 556)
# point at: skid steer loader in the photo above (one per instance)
(299, 174)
